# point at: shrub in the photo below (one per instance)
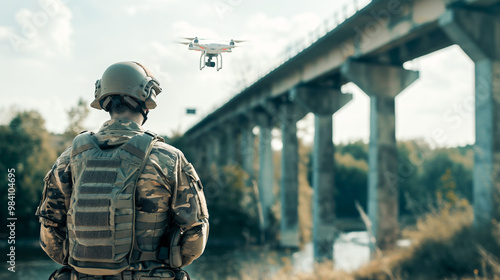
(444, 245)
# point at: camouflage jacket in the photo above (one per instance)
(166, 169)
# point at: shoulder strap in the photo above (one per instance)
(82, 142)
(146, 153)
(139, 144)
(156, 136)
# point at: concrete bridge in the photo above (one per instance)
(368, 49)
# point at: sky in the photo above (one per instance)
(53, 51)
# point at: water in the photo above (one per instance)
(350, 252)
(31, 263)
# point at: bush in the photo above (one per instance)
(231, 204)
(444, 245)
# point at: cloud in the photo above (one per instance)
(4, 32)
(184, 28)
(44, 31)
(269, 27)
(169, 51)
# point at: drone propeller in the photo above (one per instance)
(238, 41)
(183, 43)
(193, 38)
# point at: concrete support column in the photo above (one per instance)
(382, 83)
(230, 146)
(205, 157)
(199, 153)
(478, 34)
(210, 152)
(289, 186)
(213, 149)
(247, 149)
(323, 102)
(266, 167)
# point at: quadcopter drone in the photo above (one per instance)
(209, 51)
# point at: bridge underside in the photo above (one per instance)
(369, 50)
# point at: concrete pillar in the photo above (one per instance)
(247, 149)
(478, 34)
(210, 152)
(198, 153)
(204, 146)
(230, 144)
(213, 149)
(323, 102)
(266, 166)
(290, 113)
(382, 83)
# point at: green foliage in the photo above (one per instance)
(351, 169)
(76, 117)
(231, 204)
(350, 184)
(433, 174)
(358, 150)
(426, 177)
(25, 146)
(420, 176)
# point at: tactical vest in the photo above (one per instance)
(103, 223)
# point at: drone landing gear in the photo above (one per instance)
(209, 62)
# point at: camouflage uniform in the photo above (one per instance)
(166, 169)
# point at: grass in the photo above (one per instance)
(323, 271)
(444, 245)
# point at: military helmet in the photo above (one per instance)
(127, 79)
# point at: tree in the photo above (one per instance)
(233, 215)
(76, 117)
(25, 147)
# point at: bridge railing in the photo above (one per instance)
(295, 47)
(328, 24)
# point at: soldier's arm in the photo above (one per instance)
(52, 209)
(191, 212)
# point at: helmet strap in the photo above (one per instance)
(145, 115)
(137, 106)
(128, 101)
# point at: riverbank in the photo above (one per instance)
(217, 263)
(443, 245)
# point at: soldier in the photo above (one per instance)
(120, 203)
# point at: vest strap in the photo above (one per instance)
(82, 149)
(133, 150)
(142, 256)
(127, 275)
